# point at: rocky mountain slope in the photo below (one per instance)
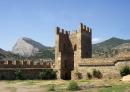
(7, 55)
(107, 48)
(125, 46)
(110, 47)
(48, 53)
(27, 47)
(3, 54)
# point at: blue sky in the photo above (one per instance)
(37, 19)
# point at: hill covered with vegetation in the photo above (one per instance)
(108, 48)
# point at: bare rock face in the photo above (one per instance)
(27, 47)
(126, 78)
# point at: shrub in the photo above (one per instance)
(47, 74)
(78, 75)
(125, 71)
(18, 74)
(89, 76)
(51, 87)
(97, 74)
(73, 86)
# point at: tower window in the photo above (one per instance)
(75, 47)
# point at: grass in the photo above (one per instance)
(30, 82)
(51, 87)
(84, 81)
(116, 88)
(61, 85)
(12, 89)
(73, 86)
(12, 81)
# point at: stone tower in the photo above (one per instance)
(82, 44)
(64, 59)
(70, 49)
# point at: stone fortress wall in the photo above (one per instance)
(26, 64)
(73, 53)
(29, 69)
(109, 67)
(64, 58)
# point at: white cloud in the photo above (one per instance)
(95, 40)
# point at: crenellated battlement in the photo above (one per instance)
(62, 31)
(84, 28)
(26, 64)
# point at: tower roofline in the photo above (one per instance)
(84, 28)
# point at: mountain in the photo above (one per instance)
(27, 47)
(107, 48)
(7, 55)
(48, 53)
(30, 48)
(110, 43)
(123, 47)
(3, 54)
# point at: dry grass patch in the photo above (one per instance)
(61, 85)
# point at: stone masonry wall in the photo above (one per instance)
(73, 53)
(25, 64)
(9, 73)
(64, 61)
(110, 69)
(29, 69)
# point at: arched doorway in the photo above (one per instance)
(66, 70)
